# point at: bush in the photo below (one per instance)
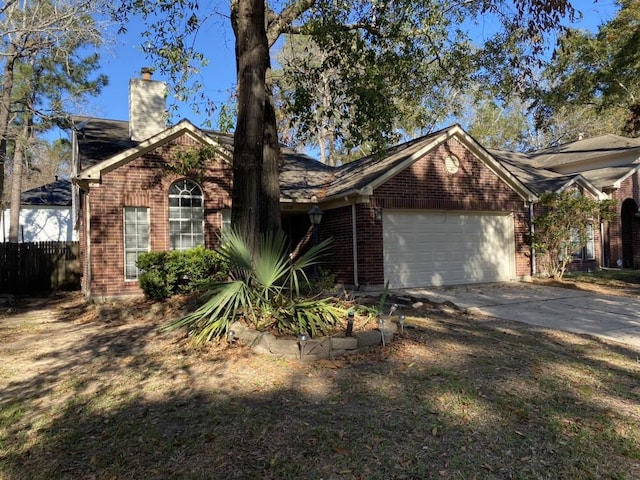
(266, 290)
(163, 274)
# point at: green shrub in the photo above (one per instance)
(154, 285)
(163, 274)
(265, 289)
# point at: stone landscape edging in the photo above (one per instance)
(327, 347)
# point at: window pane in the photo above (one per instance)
(132, 258)
(174, 240)
(131, 273)
(130, 215)
(130, 242)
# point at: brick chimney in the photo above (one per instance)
(147, 106)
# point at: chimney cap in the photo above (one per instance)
(146, 72)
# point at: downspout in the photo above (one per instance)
(354, 243)
(533, 250)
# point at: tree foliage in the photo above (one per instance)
(392, 60)
(503, 126)
(561, 227)
(43, 66)
(596, 76)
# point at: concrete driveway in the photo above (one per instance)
(611, 317)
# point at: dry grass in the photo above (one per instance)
(84, 396)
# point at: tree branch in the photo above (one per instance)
(282, 23)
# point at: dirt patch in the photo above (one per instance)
(96, 391)
(609, 287)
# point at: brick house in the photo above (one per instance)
(607, 166)
(438, 210)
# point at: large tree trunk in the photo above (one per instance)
(16, 182)
(5, 110)
(270, 204)
(252, 57)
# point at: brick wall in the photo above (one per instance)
(427, 185)
(630, 191)
(424, 185)
(337, 224)
(141, 183)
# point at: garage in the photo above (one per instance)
(435, 248)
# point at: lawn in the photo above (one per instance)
(90, 392)
(611, 278)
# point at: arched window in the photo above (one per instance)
(186, 215)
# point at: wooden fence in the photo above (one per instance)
(39, 267)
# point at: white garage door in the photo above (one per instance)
(427, 248)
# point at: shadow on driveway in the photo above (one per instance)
(607, 316)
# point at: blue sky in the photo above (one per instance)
(123, 60)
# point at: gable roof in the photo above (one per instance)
(103, 145)
(366, 174)
(127, 151)
(54, 194)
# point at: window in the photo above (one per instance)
(588, 252)
(186, 215)
(590, 248)
(136, 238)
(225, 223)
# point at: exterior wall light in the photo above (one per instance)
(377, 214)
(315, 215)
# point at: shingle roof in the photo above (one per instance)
(302, 178)
(56, 193)
(100, 139)
(360, 173)
(538, 180)
(593, 148)
(606, 177)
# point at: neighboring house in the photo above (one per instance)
(607, 166)
(46, 214)
(438, 210)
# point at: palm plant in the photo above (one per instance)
(264, 290)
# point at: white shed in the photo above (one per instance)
(46, 214)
